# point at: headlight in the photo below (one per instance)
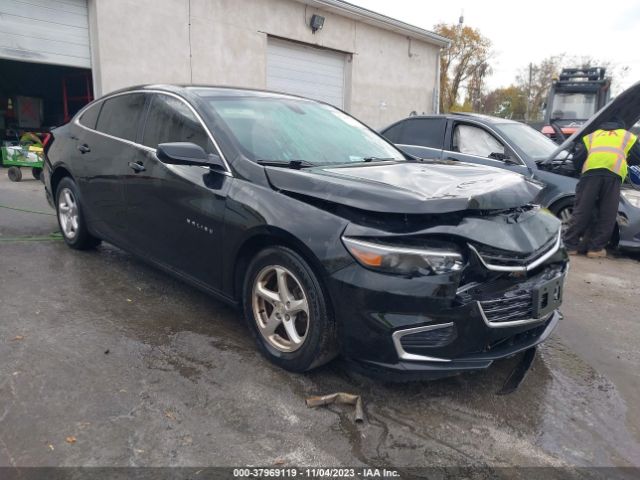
(404, 260)
(631, 196)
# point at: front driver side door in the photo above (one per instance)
(475, 144)
(175, 212)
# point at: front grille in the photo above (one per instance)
(510, 307)
(415, 342)
(505, 258)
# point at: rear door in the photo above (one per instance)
(106, 146)
(422, 137)
(176, 212)
(475, 143)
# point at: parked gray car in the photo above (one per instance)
(514, 146)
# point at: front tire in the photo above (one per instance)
(287, 311)
(70, 217)
(564, 211)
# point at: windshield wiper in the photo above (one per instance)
(377, 159)
(295, 164)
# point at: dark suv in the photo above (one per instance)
(329, 238)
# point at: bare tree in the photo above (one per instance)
(468, 56)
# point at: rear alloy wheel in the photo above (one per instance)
(287, 311)
(70, 217)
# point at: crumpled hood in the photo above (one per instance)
(409, 187)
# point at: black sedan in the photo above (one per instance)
(329, 238)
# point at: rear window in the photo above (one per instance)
(90, 116)
(425, 132)
(393, 133)
(120, 116)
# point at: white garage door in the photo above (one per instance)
(311, 72)
(45, 31)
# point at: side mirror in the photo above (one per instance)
(187, 153)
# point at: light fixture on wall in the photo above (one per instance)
(317, 22)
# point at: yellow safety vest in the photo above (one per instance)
(609, 149)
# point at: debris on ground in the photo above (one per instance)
(517, 375)
(17, 338)
(70, 439)
(341, 398)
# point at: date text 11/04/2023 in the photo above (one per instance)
(317, 473)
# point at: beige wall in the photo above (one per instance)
(147, 41)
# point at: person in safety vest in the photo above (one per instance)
(602, 158)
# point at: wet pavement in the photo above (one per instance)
(105, 361)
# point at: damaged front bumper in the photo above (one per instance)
(435, 326)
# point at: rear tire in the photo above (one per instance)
(14, 174)
(36, 172)
(287, 311)
(71, 218)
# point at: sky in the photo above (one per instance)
(529, 31)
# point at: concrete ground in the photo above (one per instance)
(105, 361)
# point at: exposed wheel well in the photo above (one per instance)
(258, 243)
(555, 206)
(57, 175)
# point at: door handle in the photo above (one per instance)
(137, 166)
(84, 148)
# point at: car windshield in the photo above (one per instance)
(282, 129)
(573, 106)
(530, 142)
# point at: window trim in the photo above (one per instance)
(455, 122)
(76, 121)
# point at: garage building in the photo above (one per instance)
(56, 55)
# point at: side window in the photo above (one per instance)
(120, 116)
(424, 132)
(393, 133)
(472, 140)
(170, 120)
(90, 116)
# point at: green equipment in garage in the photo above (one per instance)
(28, 154)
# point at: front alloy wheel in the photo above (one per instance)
(287, 310)
(280, 308)
(565, 215)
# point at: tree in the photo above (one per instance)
(466, 59)
(543, 74)
(536, 81)
(507, 102)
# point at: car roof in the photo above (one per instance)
(465, 116)
(216, 90)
